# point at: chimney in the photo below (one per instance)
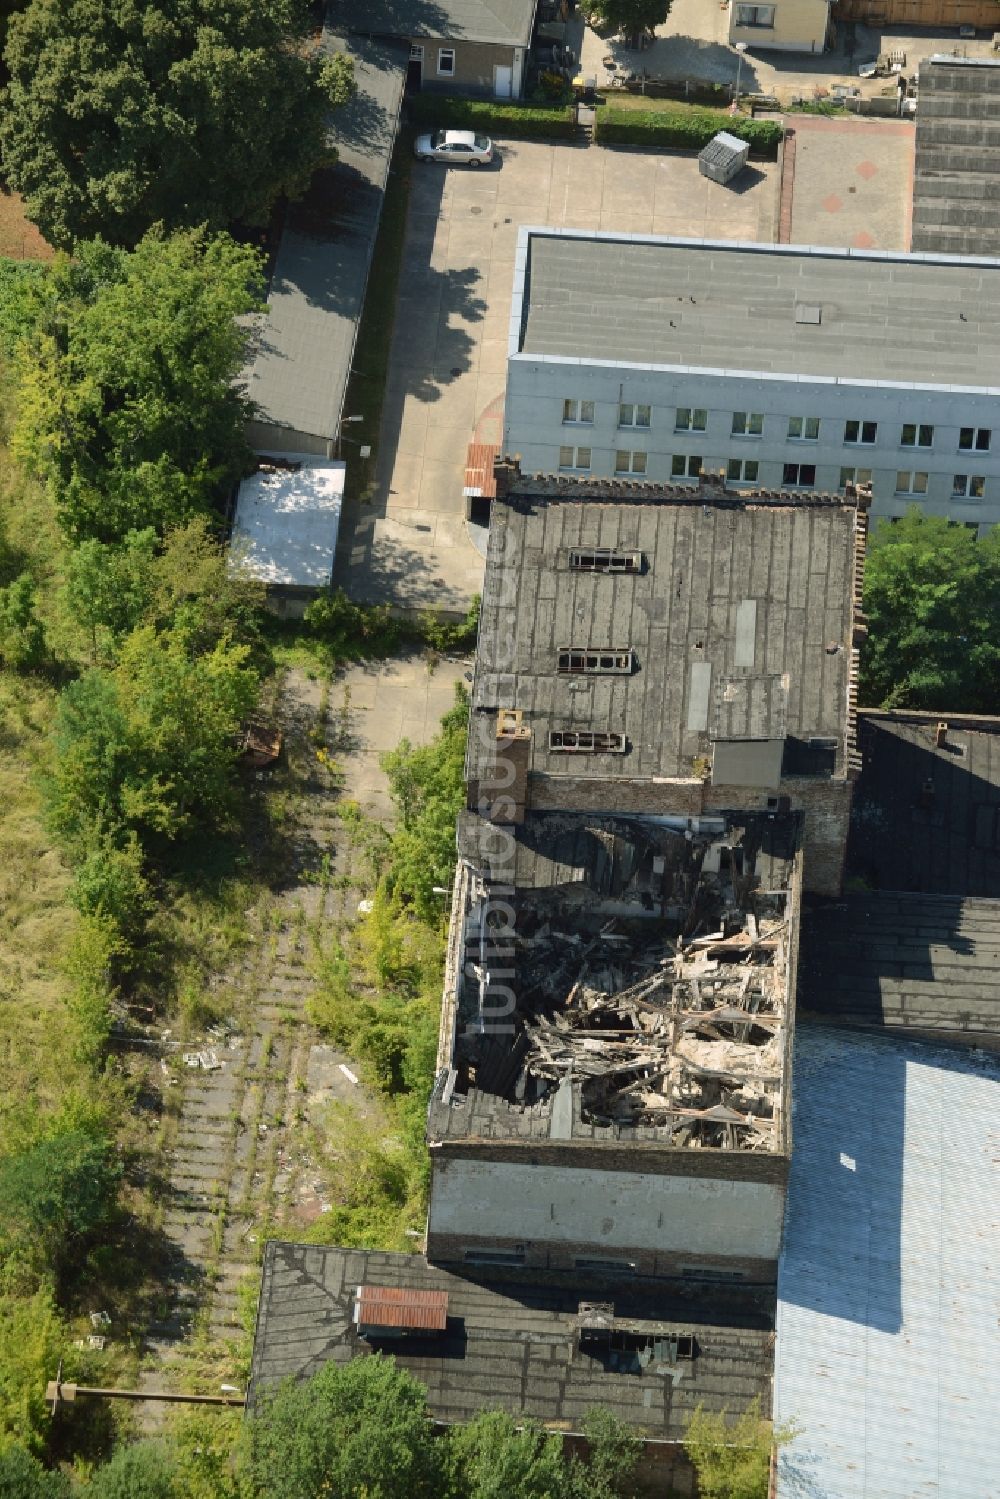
(506, 472)
(941, 734)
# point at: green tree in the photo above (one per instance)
(31, 1341)
(127, 402)
(494, 1457)
(22, 634)
(23, 1477)
(110, 587)
(151, 745)
(630, 16)
(427, 786)
(55, 1196)
(122, 115)
(731, 1458)
(932, 596)
(358, 1430)
(143, 1470)
(110, 885)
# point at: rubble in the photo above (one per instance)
(673, 1019)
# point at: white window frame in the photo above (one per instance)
(576, 455)
(748, 424)
(919, 430)
(416, 52)
(633, 423)
(798, 482)
(860, 441)
(690, 466)
(740, 476)
(446, 72)
(804, 424)
(575, 413)
(636, 462)
(911, 482)
(692, 414)
(751, 16)
(971, 487)
(974, 445)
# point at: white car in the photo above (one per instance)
(462, 147)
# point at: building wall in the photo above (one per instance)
(796, 26)
(557, 1213)
(825, 805)
(535, 430)
(268, 437)
(474, 64)
(941, 14)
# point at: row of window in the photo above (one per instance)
(629, 462)
(800, 428)
(446, 59)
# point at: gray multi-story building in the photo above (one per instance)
(776, 366)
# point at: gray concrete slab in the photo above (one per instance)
(410, 545)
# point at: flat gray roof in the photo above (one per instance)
(740, 623)
(304, 343)
(956, 188)
(731, 306)
(511, 1342)
(887, 1355)
(505, 22)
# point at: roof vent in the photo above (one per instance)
(808, 312)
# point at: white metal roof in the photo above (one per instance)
(285, 531)
(888, 1353)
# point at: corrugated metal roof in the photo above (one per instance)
(400, 1306)
(888, 1356)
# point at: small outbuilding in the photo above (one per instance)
(724, 157)
(285, 529)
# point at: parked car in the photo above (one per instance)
(462, 147)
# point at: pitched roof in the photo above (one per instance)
(505, 22)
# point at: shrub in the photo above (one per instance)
(687, 131)
(517, 121)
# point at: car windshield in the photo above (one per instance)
(438, 139)
(482, 143)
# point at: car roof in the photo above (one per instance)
(460, 137)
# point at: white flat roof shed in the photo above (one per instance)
(285, 530)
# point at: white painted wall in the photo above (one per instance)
(536, 389)
(611, 1212)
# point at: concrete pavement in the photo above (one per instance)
(410, 545)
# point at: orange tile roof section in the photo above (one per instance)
(396, 1306)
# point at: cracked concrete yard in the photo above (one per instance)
(237, 1168)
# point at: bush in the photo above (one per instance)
(516, 121)
(689, 130)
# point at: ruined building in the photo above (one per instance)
(661, 750)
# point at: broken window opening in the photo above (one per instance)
(586, 742)
(601, 663)
(604, 560)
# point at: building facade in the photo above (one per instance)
(772, 366)
(785, 26)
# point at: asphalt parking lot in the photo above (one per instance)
(411, 545)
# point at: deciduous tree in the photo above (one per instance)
(359, 1431)
(127, 405)
(630, 16)
(121, 114)
(932, 595)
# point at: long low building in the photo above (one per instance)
(643, 356)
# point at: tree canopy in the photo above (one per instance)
(360, 1431)
(55, 1196)
(122, 114)
(932, 596)
(630, 16)
(127, 405)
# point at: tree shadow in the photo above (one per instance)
(679, 59)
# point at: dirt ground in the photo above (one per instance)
(19, 239)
